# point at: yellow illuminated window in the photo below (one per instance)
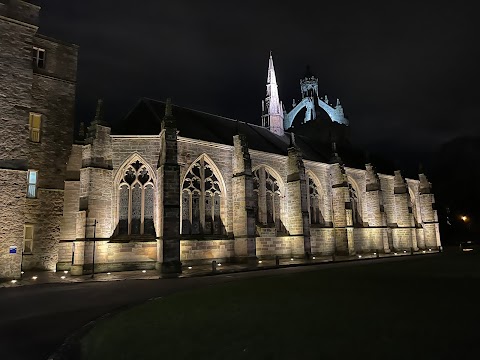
(28, 239)
(35, 124)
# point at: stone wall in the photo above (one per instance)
(16, 98)
(322, 241)
(45, 213)
(13, 188)
(197, 250)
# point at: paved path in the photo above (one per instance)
(35, 320)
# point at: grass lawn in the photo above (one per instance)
(424, 308)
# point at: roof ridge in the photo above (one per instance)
(207, 113)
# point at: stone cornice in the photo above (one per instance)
(18, 22)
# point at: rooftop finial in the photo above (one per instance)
(292, 140)
(168, 108)
(99, 111)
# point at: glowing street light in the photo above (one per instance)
(464, 218)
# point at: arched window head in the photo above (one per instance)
(135, 200)
(201, 200)
(267, 192)
(314, 203)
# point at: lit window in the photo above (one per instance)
(28, 239)
(39, 57)
(35, 123)
(32, 183)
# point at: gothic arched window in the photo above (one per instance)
(201, 199)
(267, 198)
(135, 201)
(314, 203)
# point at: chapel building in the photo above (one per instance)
(170, 186)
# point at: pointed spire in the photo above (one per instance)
(272, 116)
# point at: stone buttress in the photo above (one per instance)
(403, 231)
(429, 214)
(341, 208)
(95, 197)
(375, 212)
(168, 248)
(298, 224)
(242, 200)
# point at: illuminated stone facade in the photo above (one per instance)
(172, 186)
(38, 76)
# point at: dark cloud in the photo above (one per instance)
(407, 74)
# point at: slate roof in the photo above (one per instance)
(145, 119)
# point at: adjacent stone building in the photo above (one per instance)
(170, 186)
(37, 100)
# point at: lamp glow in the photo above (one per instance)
(62, 277)
(144, 271)
(14, 281)
(34, 277)
(260, 261)
(189, 268)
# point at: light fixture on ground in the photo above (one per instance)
(259, 261)
(189, 268)
(109, 273)
(359, 256)
(144, 271)
(313, 258)
(291, 259)
(14, 281)
(62, 277)
(34, 277)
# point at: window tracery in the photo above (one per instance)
(201, 200)
(314, 203)
(136, 201)
(267, 198)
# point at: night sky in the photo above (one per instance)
(406, 74)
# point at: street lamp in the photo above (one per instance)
(464, 218)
